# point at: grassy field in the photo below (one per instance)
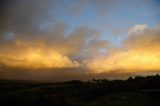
(67, 94)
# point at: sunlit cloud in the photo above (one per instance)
(78, 38)
(141, 53)
(36, 58)
(137, 29)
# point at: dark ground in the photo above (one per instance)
(100, 92)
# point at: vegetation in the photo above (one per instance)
(139, 91)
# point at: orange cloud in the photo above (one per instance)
(141, 53)
(37, 58)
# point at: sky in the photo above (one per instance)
(79, 39)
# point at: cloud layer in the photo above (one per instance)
(140, 53)
(36, 42)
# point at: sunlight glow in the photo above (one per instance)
(129, 61)
(38, 59)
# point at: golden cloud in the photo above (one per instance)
(34, 58)
(141, 53)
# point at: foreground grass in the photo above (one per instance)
(119, 99)
(68, 94)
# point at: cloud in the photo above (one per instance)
(49, 51)
(144, 39)
(36, 40)
(32, 37)
(140, 53)
(36, 59)
(137, 29)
